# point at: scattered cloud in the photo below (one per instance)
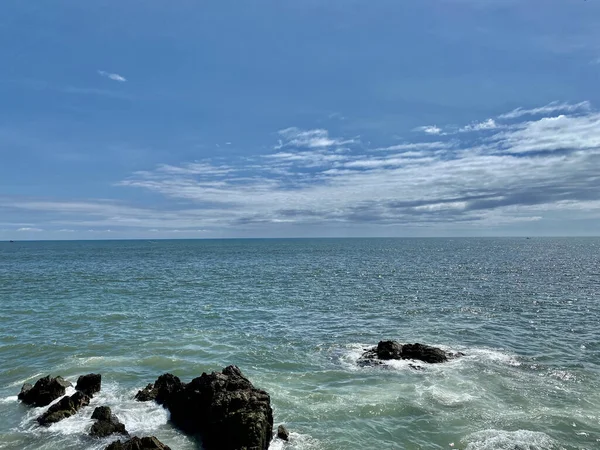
(31, 229)
(429, 129)
(317, 138)
(530, 171)
(112, 76)
(489, 124)
(550, 108)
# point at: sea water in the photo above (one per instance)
(295, 315)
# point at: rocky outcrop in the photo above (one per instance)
(387, 350)
(283, 433)
(106, 423)
(223, 408)
(44, 391)
(65, 407)
(162, 390)
(135, 443)
(89, 384)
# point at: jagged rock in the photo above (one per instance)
(387, 350)
(223, 408)
(65, 407)
(89, 384)
(135, 443)
(146, 394)
(283, 433)
(106, 423)
(162, 390)
(44, 392)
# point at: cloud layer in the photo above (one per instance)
(488, 174)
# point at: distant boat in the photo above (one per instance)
(12, 241)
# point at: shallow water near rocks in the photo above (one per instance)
(295, 315)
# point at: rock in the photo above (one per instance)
(223, 408)
(106, 423)
(387, 350)
(135, 443)
(283, 433)
(44, 392)
(146, 394)
(162, 390)
(89, 384)
(65, 407)
(425, 353)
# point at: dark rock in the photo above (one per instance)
(425, 353)
(162, 390)
(24, 390)
(135, 443)
(283, 433)
(65, 407)
(89, 384)
(107, 423)
(102, 413)
(44, 392)
(387, 350)
(223, 408)
(146, 394)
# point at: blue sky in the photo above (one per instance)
(277, 118)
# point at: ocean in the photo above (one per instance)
(295, 315)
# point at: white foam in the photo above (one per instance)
(354, 352)
(296, 441)
(510, 440)
(9, 399)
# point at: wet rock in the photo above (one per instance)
(223, 408)
(89, 384)
(135, 443)
(106, 423)
(162, 390)
(387, 350)
(146, 394)
(65, 407)
(44, 391)
(283, 433)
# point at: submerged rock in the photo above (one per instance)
(89, 384)
(223, 408)
(106, 423)
(44, 392)
(135, 443)
(283, 433)
(65, 407)
(387, 350)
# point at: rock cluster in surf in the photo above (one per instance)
(223, 408)
(390, 350)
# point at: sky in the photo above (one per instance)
(152, 119)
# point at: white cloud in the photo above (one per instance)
(429, 129)
(550, 108)
(317, 138)
(489, 124)
(112, 76)
(522, 173)
(32, 229)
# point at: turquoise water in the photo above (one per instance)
(295, 315)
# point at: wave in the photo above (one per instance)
(510, 440)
